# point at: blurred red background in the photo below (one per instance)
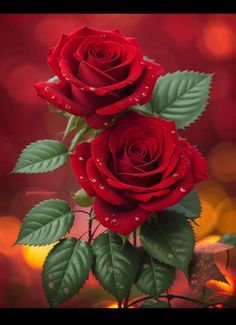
(199, 42)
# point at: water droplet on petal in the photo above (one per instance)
(115, 222)
(50, 275)
(146, 87)
(101, 187)
(182, 189)
(136, 218)
(175, 175)
(92, 88)
(105, 123)
(81, 158)
(93, 180)
(81, 177)
(47, 89)
(144, 94)
(107, 219)
(68, 106)
(173, 132)
(53, 97)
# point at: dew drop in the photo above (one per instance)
(113, 214)
(136, 218)
(92, 88)
(182, 189)
(93, 180)
(110, 269)
(47, 89)
(146, 87)
(105, 123)
(115, 222)
(136, 99)
(81, 158)
(50, 275)
(106, 219)
(66, 291)
(67, 78)
(101, 187)
(53, 97)
(81, 177)
(144, 94)
(175, 175)
(173, 132)
(68, 106)
(142, 62)
(51, 285)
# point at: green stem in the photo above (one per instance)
(90, 224)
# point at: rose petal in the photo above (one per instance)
(99, 121)
(121, 222)
(176, 193)
(100, 185)
(57, 94)
(54, 54)
(198, 162)
(141, 93)
(78, 161)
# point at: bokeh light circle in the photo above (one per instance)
(217, 40)
(35, 256)
(226, 212)
(222, 161)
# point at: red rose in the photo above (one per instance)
(137, 166)
(100, 74)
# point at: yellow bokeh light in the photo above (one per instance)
(35, 256)
(209, 239)
(221, 161)
(218, 39)
(113, 306)
(206, 222)
(226, 212)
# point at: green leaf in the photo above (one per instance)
(82, 198)
(180, 96)
(189, 206)
(46, 223)
(66, 269)
(228, 239)
(154, 277)
(169, 239)
(154, 304)
(41, 156)
(115, 264)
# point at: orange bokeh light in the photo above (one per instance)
(9, 228)
(206, 222)
(35, 256)
(226, 211)
(222, 286)
(218, 39)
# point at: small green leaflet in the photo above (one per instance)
(46, 223)
(115, 264)
(228, 239)
(41, 156)
(66, 269)
(169, 239)
(190, 206)
(180, 96)
(154, 277)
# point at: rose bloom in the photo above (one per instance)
(135, 167)
(100, 73)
